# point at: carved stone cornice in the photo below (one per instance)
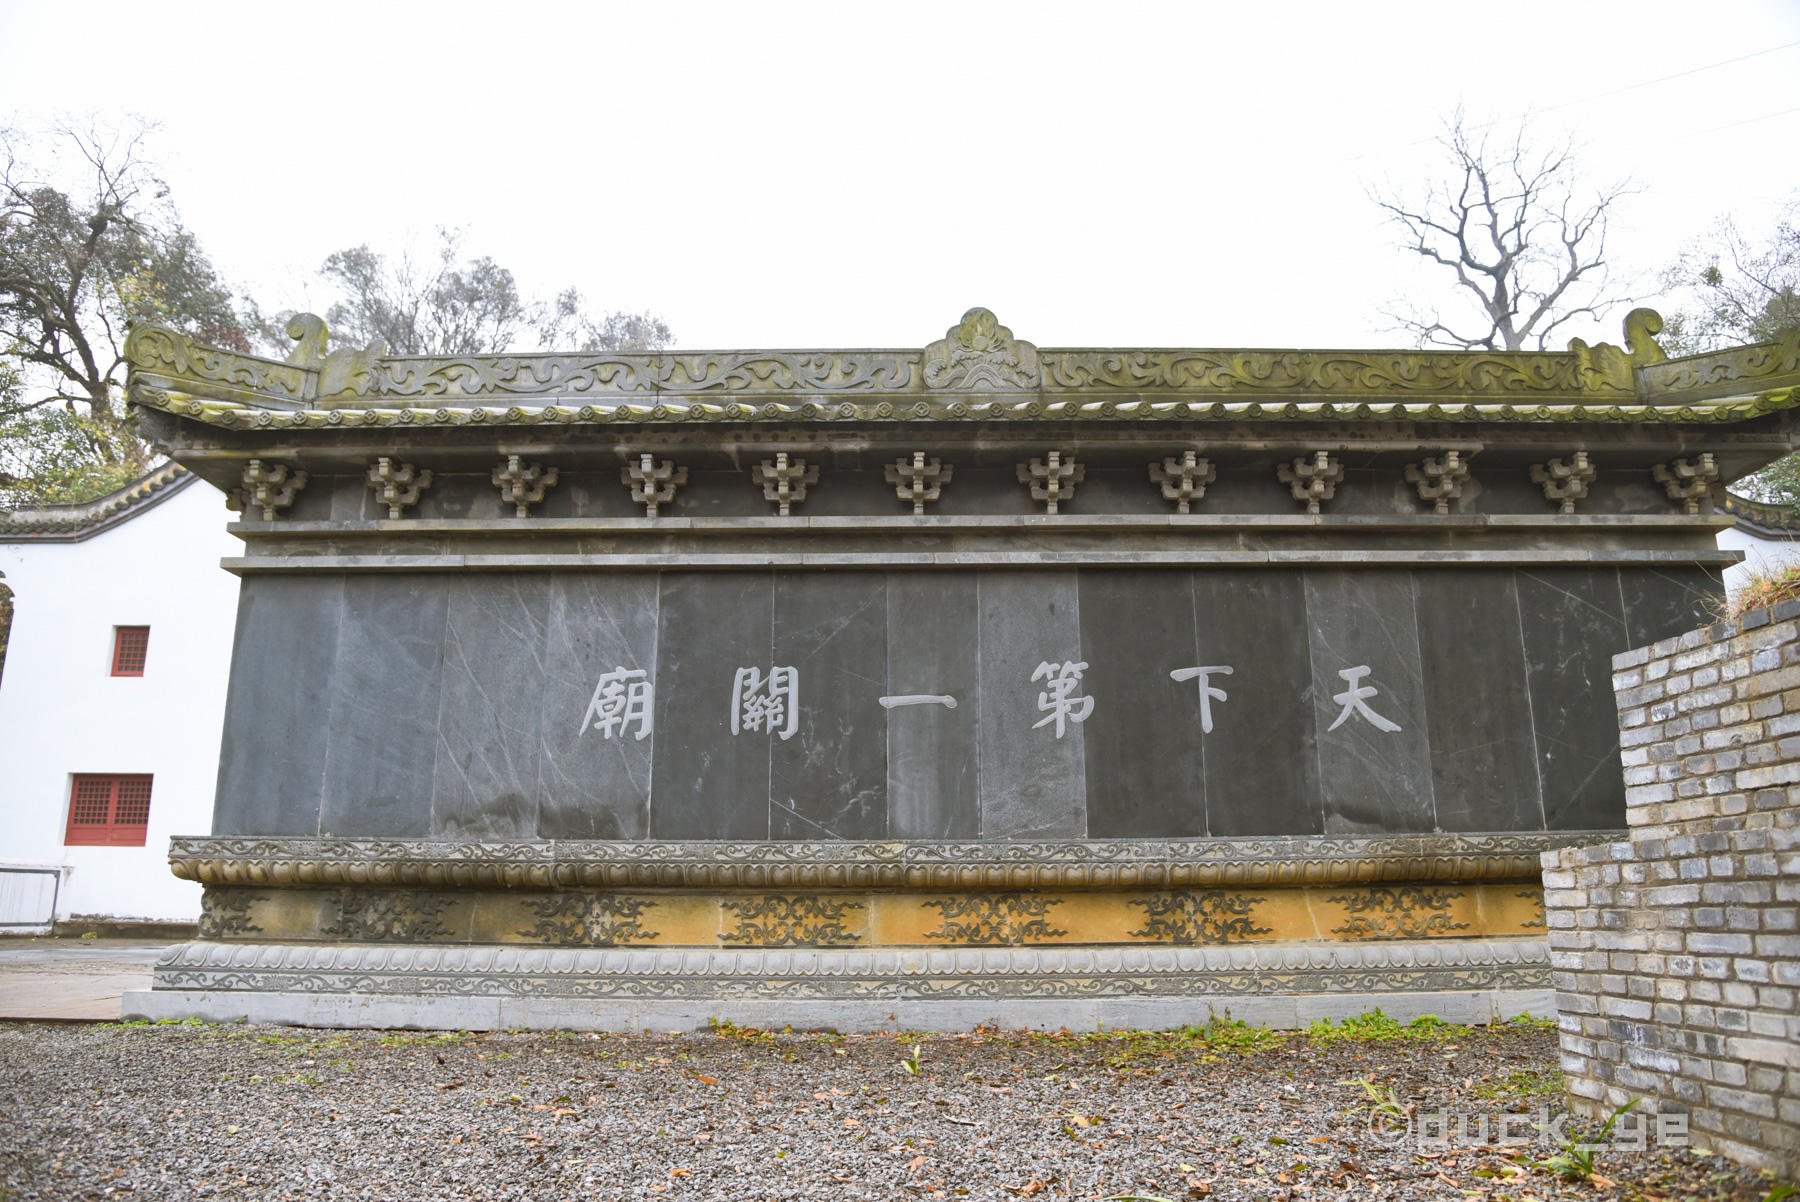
(978, 372)
(850, 974)
(1093, 864)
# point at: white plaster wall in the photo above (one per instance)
(62, 712)
(1760, 554)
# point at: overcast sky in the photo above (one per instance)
(859, 174)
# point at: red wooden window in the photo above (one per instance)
(108, 811)
(131, 644)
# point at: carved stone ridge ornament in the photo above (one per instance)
(1439, 480)
(1052, 480)
(269, 487)
(784, 482)
(1313, 480)
(522, 485)
(979, 354)
(1183, 480)
(1565, 482)
(1688, 480)
(652, 484)
(347, 370)
(917, 480)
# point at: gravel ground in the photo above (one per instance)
(188, 1111)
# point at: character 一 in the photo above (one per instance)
(623, 696)
(766, 703)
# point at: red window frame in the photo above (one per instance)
(131, 648)
(108, 810)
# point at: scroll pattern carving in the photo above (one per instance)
(225, 913)
(589, 920)
(982, 920)
(1408, 912)
(375, 915)
(168, 352)
(1536, 897)
(1210, 917)
(792, 921)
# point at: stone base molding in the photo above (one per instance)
(631, 989)
(898, 864)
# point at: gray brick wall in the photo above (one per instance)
(1675, 954)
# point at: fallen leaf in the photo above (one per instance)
(1199, 1191)
(1319, 1139)
(681, 1172)
(707, 1080)
(916, 1161)
(540, 1108)
(852, 1122)
(1601, 1182)
(964, 1122)
(822, 1095)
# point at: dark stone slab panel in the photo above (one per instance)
(1261, 762)
(379, 757)
(1661, 603)
(595, 777)
(1484, 771)
(1373, 780)
(1143, 746)
(710, 783)
(272, 749)
(1574, 623)
(485, 779)
(931, 750)
(829, 781)
(1032, 783)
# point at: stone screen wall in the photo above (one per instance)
(1675, 954)
(941, 704)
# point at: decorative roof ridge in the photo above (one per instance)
(79, 520)
(978, 370)
(1761, 517)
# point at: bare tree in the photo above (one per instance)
(1524, 238)
(472, 308)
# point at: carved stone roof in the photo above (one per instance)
(977, 372)
(73, 523)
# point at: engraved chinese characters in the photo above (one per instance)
(622, 697)
(1058, 699)
(766, 703)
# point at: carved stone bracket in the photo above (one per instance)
(784, 482)
(1313, 480)
(522, 485)
(652, 484)
(1052, 480)
(1565, 482)
(1440, 480)
(269, 487)
(1183, 480)
(1688, 480)
(917, 480)
(397, 484)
